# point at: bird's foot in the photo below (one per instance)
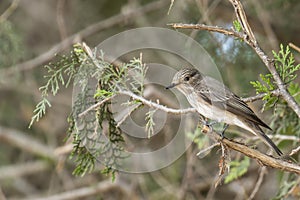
(223, 131)
(209, 125)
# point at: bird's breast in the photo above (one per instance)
(209, 110)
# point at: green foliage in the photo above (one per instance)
(237, 169)
(59, 73)
(150, 122)
(284, 63)
(237, 26)
(84, 158)
(266, 86)
(289, 188)
(95, 134)
(286, 68)
(284, 119)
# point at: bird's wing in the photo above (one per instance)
(217, 94)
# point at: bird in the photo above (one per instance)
(213, 100)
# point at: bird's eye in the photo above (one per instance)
(187, 78)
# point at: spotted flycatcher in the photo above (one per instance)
(215, 101)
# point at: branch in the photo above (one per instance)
(161, 107)
(294, 47)
(13, 6)
(260, 96)
(262, 173)
(27, 143)
(208, 28)
(250, 39)
(22, 169)
(100, 188)
(157, 106)
(90, 30)
(263, 159)
(93, 107)
(144, 101)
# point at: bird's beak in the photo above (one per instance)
(172, 85)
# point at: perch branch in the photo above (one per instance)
(263, 159)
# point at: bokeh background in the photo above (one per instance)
(34, 162)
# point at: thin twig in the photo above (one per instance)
(250, 39)
(280, 137)
(157, 106)
(241, 16)
(208, 28)
(208, 148)
(100, 188)
(262, 173)
(294, 151)
(128, 113)
(93, 107)
(294, 47)
(13, 6)
(269, 63)
(260, 96)
(265, 19)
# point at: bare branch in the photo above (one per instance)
(13, 6)
(294, 151)
(99, 188)
(260, 96)
(93, 107)
(264, 159)
(265, 19)
(157, 106)
(241, 17)
(208, 28)
(294, 47)
(203, 151)
(90, 30)
(27, 143)
(280, 137)
(22, 169)
(250, 39)
(262, 173)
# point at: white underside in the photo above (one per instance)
(216, 114)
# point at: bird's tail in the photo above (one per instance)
(259, 132)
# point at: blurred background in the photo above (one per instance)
(34, 162)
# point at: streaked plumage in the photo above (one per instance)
(214, 100)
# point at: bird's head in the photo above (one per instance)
(185, 79)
